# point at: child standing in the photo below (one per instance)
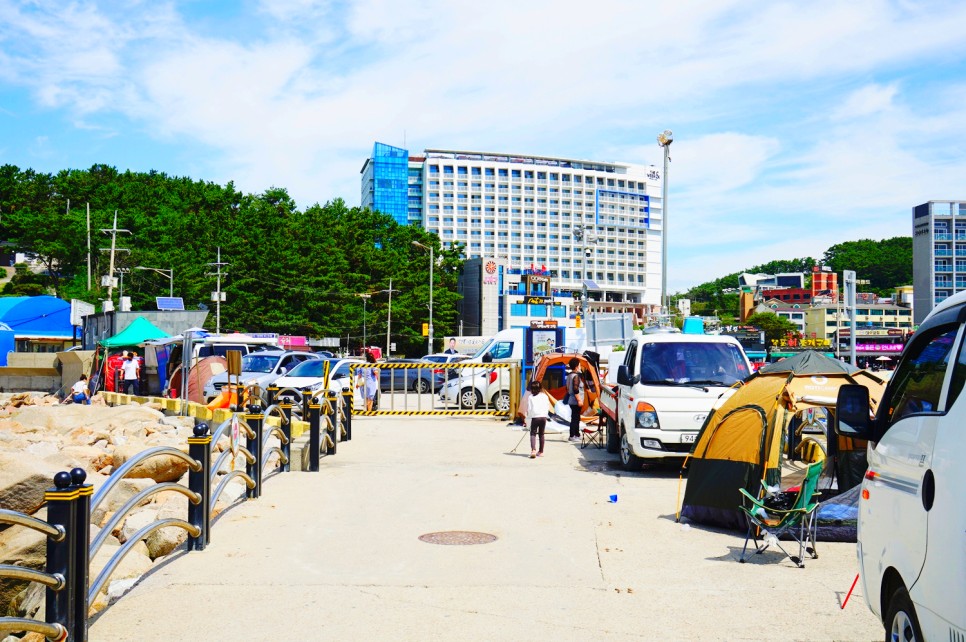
(538, 409)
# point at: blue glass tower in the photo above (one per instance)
(385, 182)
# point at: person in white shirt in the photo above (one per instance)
(131, 371)
(538, 409)
(79, 392)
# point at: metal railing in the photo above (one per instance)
(71, 503)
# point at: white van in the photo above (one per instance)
(912, 510)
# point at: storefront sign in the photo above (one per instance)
(879, 347)
(800, 343)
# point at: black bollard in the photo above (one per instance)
(80, 576)
(255, 422)
(287, 431)
(332, 421)
(199, 448)
(61, 508)
(347, 412)
(315, 437)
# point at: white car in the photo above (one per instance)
(471, 388)
(261, 367)
(310, 377)
(912, 512)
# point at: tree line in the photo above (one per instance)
(289, 271)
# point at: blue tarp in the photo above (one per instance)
(37, 316)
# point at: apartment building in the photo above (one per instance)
(938, 253)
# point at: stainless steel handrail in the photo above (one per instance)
(249, 482)
(272, 451)
(112, 563)
(219, 432)
(56, 533)
(55, 581)
(277, 410)
(53, 631)
(134, 501)
(250, 458)
(121, 472)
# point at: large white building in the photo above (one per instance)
(938, 253)
(577, 221)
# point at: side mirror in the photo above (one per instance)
(624, 378)
(487, 358)
(283, 370)
(852, 412)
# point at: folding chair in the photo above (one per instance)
(798, 522)
(592, 435)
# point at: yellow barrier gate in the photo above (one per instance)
(441, 388)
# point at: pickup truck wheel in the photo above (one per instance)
(901, 621)
(628, 459)
(612, 436)
(470, 399)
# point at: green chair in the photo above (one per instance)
(798, 521)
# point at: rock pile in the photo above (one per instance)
(39, 437)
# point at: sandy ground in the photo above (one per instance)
(336, 554)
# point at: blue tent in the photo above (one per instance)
(7, 343)
(37, 317)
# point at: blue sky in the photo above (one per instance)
(796, 126)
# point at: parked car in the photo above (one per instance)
(261, 368)
(310, 377)
(443, 357)
(475, 387)
(422, 380)
(912, 516)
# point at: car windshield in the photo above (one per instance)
(696, 363)
(258, 362)
(310, 368)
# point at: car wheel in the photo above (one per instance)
(501, 401)
(421, 386)
(612, 436)
(470, 399)
(628, 459)
(901, 621)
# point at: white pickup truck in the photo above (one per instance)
(661, 387)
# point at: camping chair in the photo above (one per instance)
(798, 521)
(593, 434)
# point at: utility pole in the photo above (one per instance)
(109, 279)
(389, 318)
(88, 246)
(217, 295)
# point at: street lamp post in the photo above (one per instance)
(431, 262)
(581, 233)
(163, 272)
(389, 318)
(365, 338)
(664, 139)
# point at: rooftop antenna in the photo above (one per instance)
(109, 279)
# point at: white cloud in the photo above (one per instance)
(796, 127)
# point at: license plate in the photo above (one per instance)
(689, 439)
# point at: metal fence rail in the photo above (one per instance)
(462, 389)
(71, 502)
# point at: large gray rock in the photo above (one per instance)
(165, 540)
(23, 481)
(138, 519)
(113, 501)
(160, 468)
(135, 564)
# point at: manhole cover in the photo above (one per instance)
(457, 538)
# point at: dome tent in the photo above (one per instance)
(741, 442)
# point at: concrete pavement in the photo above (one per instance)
(336, 554)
